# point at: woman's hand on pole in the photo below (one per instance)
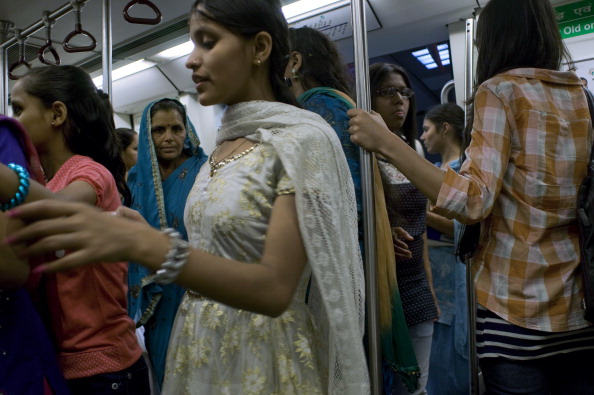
(368, 129)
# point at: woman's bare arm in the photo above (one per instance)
(266, 287)
(13, 270)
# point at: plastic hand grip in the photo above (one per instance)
(14, 66)
(21, 62)
(41, 54)
(79, 31)
(143, 21)
(48, 48)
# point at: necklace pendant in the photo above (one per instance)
(206, 185)
(215, 166)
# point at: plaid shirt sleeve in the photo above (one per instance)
(469, 196)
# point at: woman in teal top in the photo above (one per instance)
(316, 75)
(169, 157)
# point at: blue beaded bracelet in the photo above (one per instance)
(22, 192)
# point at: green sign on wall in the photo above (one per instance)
(575, 19)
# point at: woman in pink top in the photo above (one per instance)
(71, 125)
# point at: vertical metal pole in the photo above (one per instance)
(468, 89)
(4, 84)
(5, 28)
(363, 102)
(107, 46)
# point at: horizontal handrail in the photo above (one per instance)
(35, 27)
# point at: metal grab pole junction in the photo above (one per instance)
(470, 291)
(371, 294)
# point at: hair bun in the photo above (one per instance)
(102, 94)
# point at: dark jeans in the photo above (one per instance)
(564, 374)
(131, 381)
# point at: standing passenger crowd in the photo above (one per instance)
(136, 264)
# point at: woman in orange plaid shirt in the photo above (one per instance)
(528, 146)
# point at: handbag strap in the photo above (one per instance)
(590, 100)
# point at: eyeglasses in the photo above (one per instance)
(391, 92)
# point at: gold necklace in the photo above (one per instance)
(231, 153)
(215, 166)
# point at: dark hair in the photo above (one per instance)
(90, 128)
(322, 64)
(500, 50)
(378, 72)
(247, 18)
(168, 105)
(451, 113)
(498, 30)
(125, 137)
(527, 37)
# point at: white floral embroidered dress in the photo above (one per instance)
(222, 350)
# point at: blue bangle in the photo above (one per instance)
(23, 190)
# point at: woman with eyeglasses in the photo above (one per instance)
(393, 98)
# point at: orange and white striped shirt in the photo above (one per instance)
(530, 146)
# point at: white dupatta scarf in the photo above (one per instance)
(314, 160)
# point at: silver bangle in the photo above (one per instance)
(176, 258)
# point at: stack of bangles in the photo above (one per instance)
(23, 190)
(176, 258)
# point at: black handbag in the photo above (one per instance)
(585, 211)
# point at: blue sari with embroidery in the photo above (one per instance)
(333, 107)
(162, 204)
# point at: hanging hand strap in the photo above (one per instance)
(21, 62)
(142, 21)
(48, 47)
(78, 30)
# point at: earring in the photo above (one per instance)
(295, 76)
(288, 82)
(258, 62)
(53, 123)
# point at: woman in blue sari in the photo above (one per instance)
(169, 157)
